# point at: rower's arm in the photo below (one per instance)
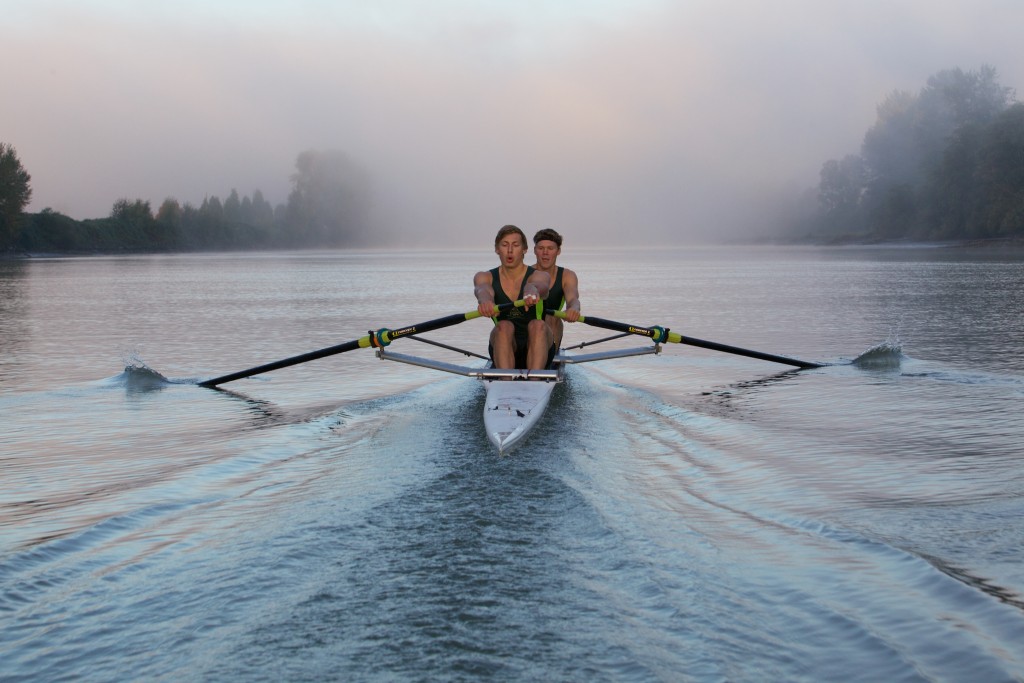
(571, 292)
(483, 290)
(540, 281)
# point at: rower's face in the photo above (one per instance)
(511, 250)
(547, 252)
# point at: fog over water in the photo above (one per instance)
(614, 121)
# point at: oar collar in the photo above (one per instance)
(660, 334)
(380, 338)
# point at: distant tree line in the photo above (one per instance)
(945, 163)
(327, 207)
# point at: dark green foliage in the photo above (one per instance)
(15, 193)
(947, 163)
(1000, 174)
(50, 231)
(327, 207)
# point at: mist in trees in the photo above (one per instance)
(329, 201)
(945, 163)
(327, 207)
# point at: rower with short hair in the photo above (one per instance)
(564, 290)
(519, 338)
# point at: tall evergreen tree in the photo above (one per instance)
(15, 193)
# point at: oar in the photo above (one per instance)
(662, 335)
(381, 337)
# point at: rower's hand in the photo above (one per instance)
(487, 309)
(530, 298)
(572, 315)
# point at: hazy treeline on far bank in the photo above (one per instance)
(327, 207)
(946, 163)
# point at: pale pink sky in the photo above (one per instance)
(645, 120)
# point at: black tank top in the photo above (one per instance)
(556, 297)
(519, 317)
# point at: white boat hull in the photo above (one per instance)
(512, 408)
(516, 399)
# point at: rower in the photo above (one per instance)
(564, 291)
(519, 339)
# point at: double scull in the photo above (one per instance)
(515, 399)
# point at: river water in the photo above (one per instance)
(691, 516)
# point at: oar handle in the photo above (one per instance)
(661, 335)
(385, 336)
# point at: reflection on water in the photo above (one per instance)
(14, 328)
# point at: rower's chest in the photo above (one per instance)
(510, 284)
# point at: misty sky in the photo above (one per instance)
(611, 120)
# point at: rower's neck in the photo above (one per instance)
(513, 271)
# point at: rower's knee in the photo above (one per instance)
(504, 330)
(540, 327)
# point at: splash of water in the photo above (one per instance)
(138, 376)
(888, 354)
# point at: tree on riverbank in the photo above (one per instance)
(329, 200)
(328, 207)
(15, 193)
(945, 163)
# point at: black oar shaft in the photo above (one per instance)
(618, 327)
(725, 348)
(277, 365)
(382, 337)
(363, 342)
(428, 326)
(660, 334)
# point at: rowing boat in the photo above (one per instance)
(513, 409)
(515, 399)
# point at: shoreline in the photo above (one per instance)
(981, 243)
(974, 243)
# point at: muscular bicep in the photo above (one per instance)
(482, 286)
(570, 287)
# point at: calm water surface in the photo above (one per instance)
(693, 516)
